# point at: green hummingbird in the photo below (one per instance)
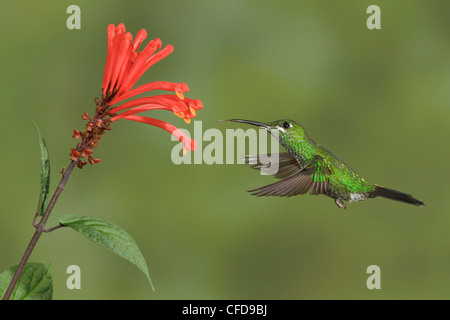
(309, 166)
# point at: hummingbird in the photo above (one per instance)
(307, 166)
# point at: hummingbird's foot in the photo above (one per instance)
(340, 204)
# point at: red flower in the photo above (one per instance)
(124, 66)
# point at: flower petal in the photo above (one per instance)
(145, 107)
(177, 133)
(167, 100)
(138, 63)
(107, 74)
(123, 50)
(133, 78)
(157, 85)
(141, 36)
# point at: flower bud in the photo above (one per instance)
(76, 134)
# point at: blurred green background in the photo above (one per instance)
(379, 99)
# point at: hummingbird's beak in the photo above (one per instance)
(254, 123)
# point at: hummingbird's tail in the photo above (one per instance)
(396, 195)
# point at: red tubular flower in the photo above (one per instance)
(124, 66)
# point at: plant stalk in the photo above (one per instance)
(40, 227)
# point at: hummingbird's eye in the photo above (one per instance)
(286, 125)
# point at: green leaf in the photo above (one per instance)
(35, 282)
(45, 174)
(110, 236)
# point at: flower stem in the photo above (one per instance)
(40, 227)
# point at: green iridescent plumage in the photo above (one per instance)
(307, 166)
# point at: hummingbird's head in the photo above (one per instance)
(284, 130)
(287, 130)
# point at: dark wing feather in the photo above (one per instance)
(285, 162)
(291, 186)
(295, 179)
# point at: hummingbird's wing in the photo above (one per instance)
(295, 179)
(285, 162)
